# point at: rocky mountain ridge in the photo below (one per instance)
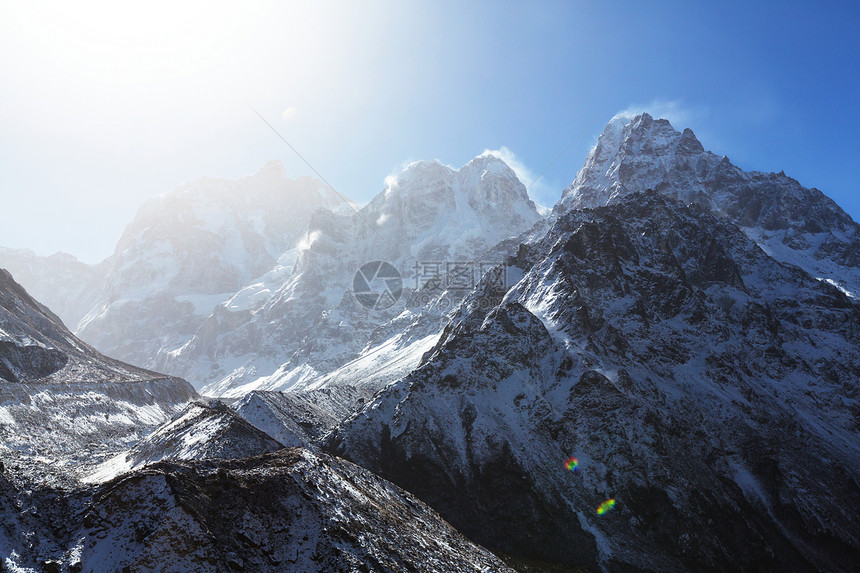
(292, 510)
(189, 495)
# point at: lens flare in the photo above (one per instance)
(605, 506)
(571, 464)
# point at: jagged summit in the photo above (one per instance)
(632, 154)
(445, 212)
(423, 169)
(790, 222)
(273, 167)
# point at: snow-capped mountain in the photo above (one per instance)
(664, 378)
(284, 332)
(192, 249)
(64, 404)
(691, 375)
(790, 222)
(69, 287)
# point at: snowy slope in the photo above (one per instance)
(192, 249)
(297, 328)
(791, 223)
(692, 375)
(61, 402)
(301, 418)
(288, 511)
(201, 432)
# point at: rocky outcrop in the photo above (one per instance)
(301, 418)
(202, 431)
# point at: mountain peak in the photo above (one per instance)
(272, 168)
(798, 225)
(637, 125)
(641, 125)
(431, 175)
(491, 162)
(418, 174)
(632, 154)
(689, 143)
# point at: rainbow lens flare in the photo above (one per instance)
(571, 464)
(606, 506)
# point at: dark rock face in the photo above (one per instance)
(28, 331)
(692, 375)
(34, 343)
(23, 363)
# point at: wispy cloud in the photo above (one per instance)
(538, 190)
(677, 112)
(391, 178)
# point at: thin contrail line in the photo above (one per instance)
(339, 195)
(299, 155)
(560, 155)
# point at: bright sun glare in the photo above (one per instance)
(123, 79)
(125, 43)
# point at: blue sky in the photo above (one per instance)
(102, 107)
